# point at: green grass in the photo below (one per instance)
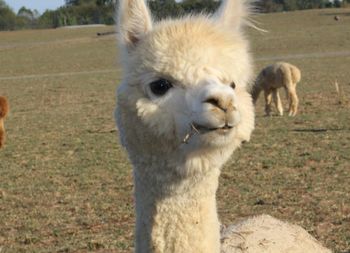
(66, 184)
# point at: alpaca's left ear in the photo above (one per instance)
(134, 21)
(232, 14)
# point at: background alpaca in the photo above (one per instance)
(182, 109)
(273, 77)
(4, 108)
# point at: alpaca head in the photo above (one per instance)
(184, 86)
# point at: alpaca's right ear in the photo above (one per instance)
(134, 21)
(233, 13)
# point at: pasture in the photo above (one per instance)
(66, 184)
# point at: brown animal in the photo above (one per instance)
(4, 109)
(273, 77)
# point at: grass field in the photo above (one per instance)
(66, 184)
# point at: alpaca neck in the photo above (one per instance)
(176, 213)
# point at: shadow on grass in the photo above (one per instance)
(336, 14)
(318, 130)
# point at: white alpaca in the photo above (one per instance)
(273, 77)
(182, 108)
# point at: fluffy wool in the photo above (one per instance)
(182, 109)
(4, 108)
(273, 77)
(265, 234)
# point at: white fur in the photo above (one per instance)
(177, 166)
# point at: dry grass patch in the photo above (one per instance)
(66, 184)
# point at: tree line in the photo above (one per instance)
(81, 12)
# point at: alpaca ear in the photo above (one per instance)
(134, 21)
(232, 14)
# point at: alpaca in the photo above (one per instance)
(182, 109)
(273, 77)
(4, 108)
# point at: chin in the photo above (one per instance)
(218, 138)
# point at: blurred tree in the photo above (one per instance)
(337, 3)
(105, 2)
(73, 2)
(165, 8)
(80, 2)
(7, 17)
(49, 19)
(25, 18)
(269, 6)
(290, 5)
(24, 12)
(90, 11)
(172, 8)
(36, 14)
(196, 6)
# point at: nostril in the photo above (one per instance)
(216, 102)
(213, 101)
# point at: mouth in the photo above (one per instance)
(200, 129)
(204, 129)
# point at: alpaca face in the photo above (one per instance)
(204, 112)
(185, 79)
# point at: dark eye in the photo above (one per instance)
(233, 85)
(160, 87)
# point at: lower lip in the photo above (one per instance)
(221, 131)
